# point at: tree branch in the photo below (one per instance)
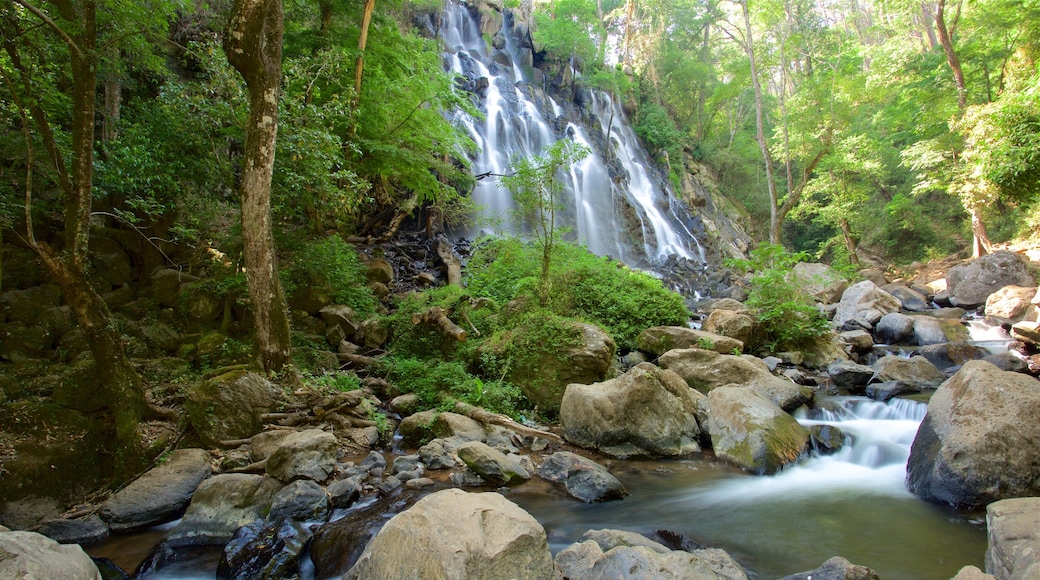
(73, 45)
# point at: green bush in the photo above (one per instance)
(440, 384)
(476, 315)
(787, 316)
(591, 288)
(333, 265)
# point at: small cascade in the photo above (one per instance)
(613, 203)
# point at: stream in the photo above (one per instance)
(852, 504)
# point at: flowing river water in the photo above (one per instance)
(852, 504)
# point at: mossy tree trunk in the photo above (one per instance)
(253, 44)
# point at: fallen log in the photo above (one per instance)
(485, 416)
(438, 317)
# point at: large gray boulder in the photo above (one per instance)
(734, 324)
(661, 339)
(706, 370)
(230, 406)
(1012, 303)
(160, 495)
(980, 440)
(456, 535)
(494, 466)
(1014, 538)
(28, 555)
(582, 477)
(866, 302)
(910, 299)
(221, 505)
(646, 411)
(916, 370)
(894, 328)
(309, 454)
(822, 282)
(751, 432)
(970, 284)
(603, 554)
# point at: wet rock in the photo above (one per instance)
(31, 555)
(950, 354)
(344, 493)
(890, 389)
(388, 484)
(63, 531)
(1014, 538)
(980, 441)
(460, 427)
(836, 568)
(582, 477)
(404, 463)
(850, 376)
(437, 455)
(751, 432)
(910, 299)
(646, 411)
(615, 554)
(160, 495)
(417, 428)
(264, 550)
(661, 339)
(337, 545)
(494, 466)
(916, 370)
(221, 505)
(309, 454)
(858, 340)
(929, 330)
(454, 534)
(1007, 361)
(971, 283)
(301, 500)
(864, 301)
(230, 406)
(706, 370)
(894, 328)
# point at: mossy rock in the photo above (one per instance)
(230, 406)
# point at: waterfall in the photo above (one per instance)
(614, 205)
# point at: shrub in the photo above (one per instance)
(332, 264)
(440, 384)
(476, 315)
(787, 316)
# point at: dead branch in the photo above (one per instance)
(438, 317)
(485, 416)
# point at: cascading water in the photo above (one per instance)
(853, 503)
(521, 119)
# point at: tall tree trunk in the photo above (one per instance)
(980, 244)
(253, 43)
(951, 55)
(118, 381)
(850, 241)
(760, 132)
(366, 21)
(927, 17)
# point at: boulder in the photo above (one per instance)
(864, 301)
(30, 555)
(160, 495)
(706, 370)
(616, 554)
(230, 406)
(221, 505)
(980, 440)
(822, 282)
(166, 285)
(459, 427)
(379, 270)
(1014, 538)
(28, 306)
(86, 531)
(894, 328)
(340, 316)
(1011, 303)
(661, 339)
(264, 550)
(437, 454)
(836, 568)
(309, 454)
(583, 478)
(915, 370)
(910, 299)
(646, 411)
(950, 354)
(972, 573)
(932, 330)
(1026, 331)
(417, 428)
(494, 466)
(858, 340)
(455, 534)
(736, 325)
(852, 377)
(343, 493)
(301, 500)
(970, 284)
(753, 433)
(889, 389)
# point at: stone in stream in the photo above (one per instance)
(160, 495)
(30, 555)
(910, 299)
(230, 406)
(646, 411)
(751, 432)
(836, 568)
(455, 534)
(894, 328)
(850, 376)
(437, 454)
(301, 500)
(1014, 538)
(866, 302)
(620, 554)
(1012, 304)
(980, 440)
(705, 370)
(916, 370)
(889, 389)
(264, 549)
(85, 531)
(221, 505)
(494, 466)
(583, 478)
(344, 493)
(970, 284)
(309, 454)
(661, 339)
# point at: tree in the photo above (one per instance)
(87, 35)
(253, 44)
(536, 187)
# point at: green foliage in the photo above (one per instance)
(568, 29)
(440, 384)
(788, 319)
(335, 382)
(408, 339)
(331, 264)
